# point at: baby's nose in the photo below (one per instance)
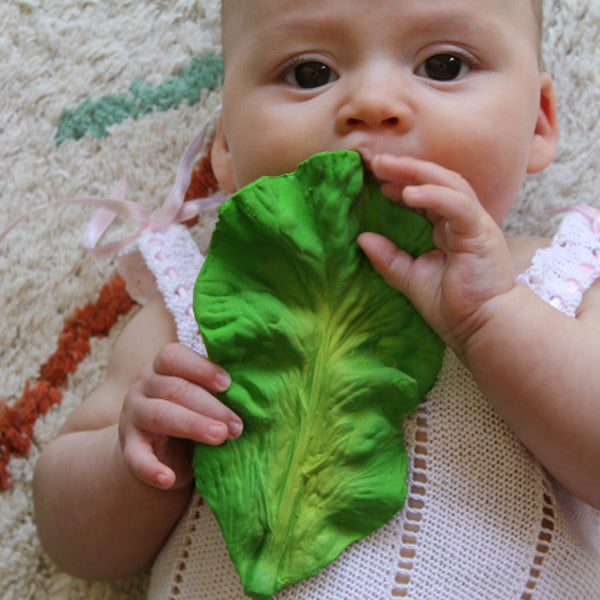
(384, 121)
(376, 102)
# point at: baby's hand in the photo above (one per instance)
(169, 407)
(453, 285)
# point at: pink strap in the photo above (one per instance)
(174, 209)
(591, 213)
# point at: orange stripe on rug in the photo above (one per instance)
(94, 320)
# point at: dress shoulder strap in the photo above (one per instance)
(175, 261)
(561, 273)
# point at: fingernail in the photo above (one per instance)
(162, 480)
(411, 191)
(383, 157)
(217, 433)
(222, 380)
(235, 429)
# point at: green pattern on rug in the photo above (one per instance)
(94, 117)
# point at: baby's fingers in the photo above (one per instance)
(462, 214)
(390, 262)
(180, 361)
(417, 279)
(192, 397)
(140, 457)
(167, 419)
(400, 171)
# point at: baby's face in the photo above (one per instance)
(456, 83)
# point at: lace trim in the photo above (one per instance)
(174, 259)
(415, 503)
(563, 272)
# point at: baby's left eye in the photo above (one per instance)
(443, 67)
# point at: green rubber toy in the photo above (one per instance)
(326, 359)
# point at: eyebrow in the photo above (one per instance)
(443, 20)
(466, 24)
(295, 26)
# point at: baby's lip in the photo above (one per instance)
(367, 158)
(369, 155)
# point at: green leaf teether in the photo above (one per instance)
(326, 359)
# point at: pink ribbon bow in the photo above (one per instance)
(174, 209)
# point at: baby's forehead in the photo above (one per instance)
(259, 9)
(240, 17)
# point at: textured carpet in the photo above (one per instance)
(91, 91)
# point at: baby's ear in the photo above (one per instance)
(545, 139)
(220, 160)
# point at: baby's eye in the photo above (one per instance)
(310, 74)
(443, 67)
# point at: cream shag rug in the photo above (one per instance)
(93, 90)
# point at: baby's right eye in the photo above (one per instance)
(310, 74)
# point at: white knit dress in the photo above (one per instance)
(482, 521)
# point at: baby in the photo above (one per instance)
(445, 102)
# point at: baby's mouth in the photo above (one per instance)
(370, 176)
(367, 159)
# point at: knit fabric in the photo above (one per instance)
(482, 518)
(175, 261)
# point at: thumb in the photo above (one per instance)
(393, 264)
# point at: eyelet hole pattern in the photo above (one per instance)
(415, 503)
(181, 567)
(545, 538)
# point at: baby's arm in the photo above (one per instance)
(111, 486)
(535, 365)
